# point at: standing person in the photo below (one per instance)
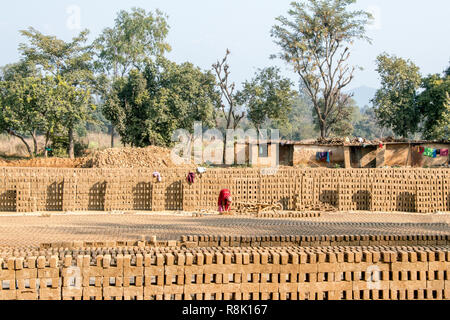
(224, 200)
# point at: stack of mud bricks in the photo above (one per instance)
(90, 190)
(168, 194)
(385, 190)
(69, 196)
(7, 192)
(30, 278)
(47, 189)
(235, 273)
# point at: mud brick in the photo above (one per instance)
(48, 273)
(24, 274)
(219, 258)
(349, 257)
(41, 262)
(133, 293)
(189, 259)
(92, 293)
(27, 294)
(50, 294)
(113, 293)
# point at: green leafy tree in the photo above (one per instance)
(341, 119)
(70, 63)
(136, 38)
(433, 104)
(27, 105)
(147, 107)
(300, 124)
(395, 102)
(316, 41)
(267, 97)
(366, 125)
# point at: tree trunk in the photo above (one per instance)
(47, 138)
(12, 133)
(71, 144)
(112, 135)
(33, 136)
(322, 131)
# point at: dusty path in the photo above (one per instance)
(23, 231)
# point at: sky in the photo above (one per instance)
(202, 30)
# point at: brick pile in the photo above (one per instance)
(225, 273)
(384, 190)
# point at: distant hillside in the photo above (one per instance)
(363, 95)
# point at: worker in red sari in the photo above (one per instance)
(224, 200)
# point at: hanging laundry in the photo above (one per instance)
(201, 170)
(421, 150)
(322, 156)
(434, 154)
(444, 153)
(191, 177)
(328, 156)
(438, 152)
(157, 175)
(428, 152)
(380, 146)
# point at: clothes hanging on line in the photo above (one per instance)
(201, 170)
(157, 175)
(428, 152)
(444, 153)
(434, 155)
(324, 156)
(191, 177)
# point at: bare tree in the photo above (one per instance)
(230, 112)
(316, 41)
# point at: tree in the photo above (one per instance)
(316, 42)
(136, 37)
(147, 107)
(366, 125)
(27, 105)
(340, 120)
(434, 105)
(267, 96)
(230, 112)
(70, 63)
(395, 102)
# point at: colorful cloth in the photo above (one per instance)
(421, 150)
(444, 153)
(323, 156)
(191, 177)
(157, 175)
(434, 155)
(201, 170)
(224, 200)
(328, 157)
(428, 152)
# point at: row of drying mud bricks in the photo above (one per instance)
(128, 189)
(278, 273)
(265, 241)
(191, 242)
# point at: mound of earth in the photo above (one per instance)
(150, 157)
(44, 163)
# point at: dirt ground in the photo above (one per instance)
(30, 231)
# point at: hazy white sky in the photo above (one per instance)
(201, 30)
